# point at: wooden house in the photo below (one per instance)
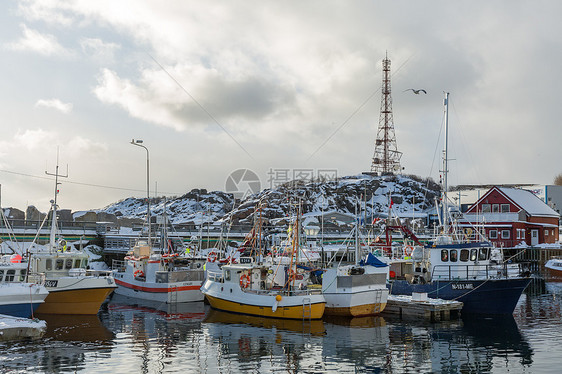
(510, 216)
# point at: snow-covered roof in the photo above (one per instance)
(529, 202)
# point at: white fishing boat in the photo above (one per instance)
(358, 288)
(159, 273)
(18, 298)
(148, 273)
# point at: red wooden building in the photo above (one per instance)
(509, 216)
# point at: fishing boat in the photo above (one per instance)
(149, 273)
(265, 289)
(73, 287)
(158, 272)
(356, 289)
(452, 267)
(18, 298)
(554, 266)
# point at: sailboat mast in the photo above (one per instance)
(445, 202)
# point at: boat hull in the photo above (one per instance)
(292, 309)
(21, 299)
(356, 304)
(178, 292)
(77, 301)
(554, 267)
(229, 297)
(491, 296)
(76, 295)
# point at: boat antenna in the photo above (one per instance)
(54, 202)
(446, 167)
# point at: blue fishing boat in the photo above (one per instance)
(459, 264)
(18, 298)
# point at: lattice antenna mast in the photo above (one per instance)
(386, 158)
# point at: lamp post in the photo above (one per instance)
(138, 142)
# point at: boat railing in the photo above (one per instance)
(98, 273)
(190, 275)
(215, 276)
(487, 271)
(285, 292)
(119, 265)
(38, 278)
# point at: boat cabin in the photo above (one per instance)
(12, 272)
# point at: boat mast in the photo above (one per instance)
(54, 203)
(445, 203)
(357, 254)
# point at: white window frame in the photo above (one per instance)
(502, 206)
(493, 234)
(505, 234)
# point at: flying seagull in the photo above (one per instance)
(416, 91)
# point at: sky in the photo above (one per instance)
(272, 87)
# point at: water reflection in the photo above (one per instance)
(65, 346)
(356, 344)
(132, 335)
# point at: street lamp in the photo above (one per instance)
(138, 142)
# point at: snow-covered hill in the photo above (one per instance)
(371, 193)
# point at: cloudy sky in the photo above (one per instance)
(270, 86)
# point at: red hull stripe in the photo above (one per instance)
(157, 289)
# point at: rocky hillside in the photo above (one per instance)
(408, 193)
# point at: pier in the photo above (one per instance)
(420, 307)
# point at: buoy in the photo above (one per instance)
(245, 281)
(278, 298)
(212, 257)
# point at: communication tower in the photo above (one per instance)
(386, 158)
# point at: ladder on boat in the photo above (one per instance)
(306, 309)
(378, 300)
(173, 298)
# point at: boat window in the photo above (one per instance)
(454, 255)
(59, 264)
(68, 263)
(464, 255)
(483, 255)
(76, 263)
(1, 275)
(22, 275)
(227, 275)
(10, 275)
(444, 255)
(473, 253)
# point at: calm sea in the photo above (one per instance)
(133, 338)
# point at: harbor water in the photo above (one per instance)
(129, 336)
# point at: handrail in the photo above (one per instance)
(470, 272)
